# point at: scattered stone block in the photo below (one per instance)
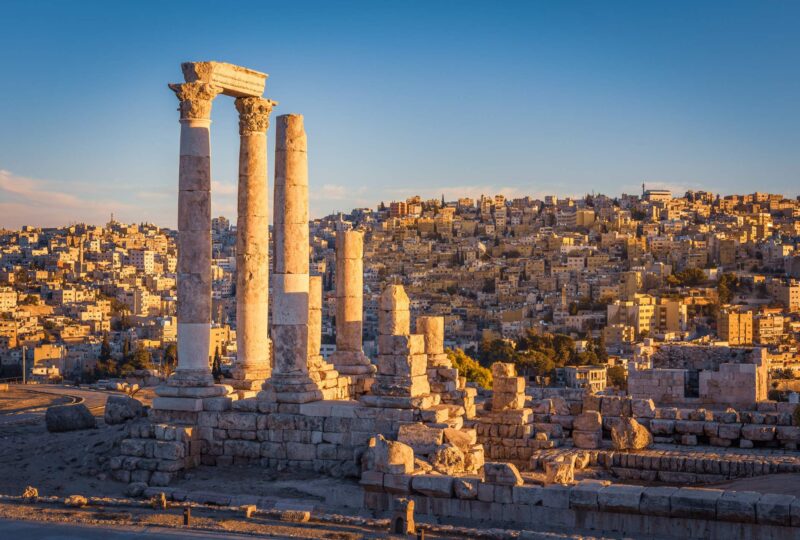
(120, 409)
(628, 434)
(504, 474)
(60, 418)
(560, 470)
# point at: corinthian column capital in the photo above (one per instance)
(195, 98)
(254, 114)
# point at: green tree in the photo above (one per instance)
(726, 286)
(530, 363)
(495, 350)
(170, 359)
(617, 377)
(216, 366)
(470, 368)
(105, 349)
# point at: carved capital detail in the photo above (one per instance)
(254, 114)
(195, 98)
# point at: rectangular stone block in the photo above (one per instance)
(739, 506)
(401, 345)
(620, 498)
(178, 404)
(433, 485)
(696, 503)
(655, 501)
(774, 509)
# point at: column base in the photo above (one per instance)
(291, 388)
(191, 378)
(183, 397)
(352, 363)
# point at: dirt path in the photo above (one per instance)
(18, 399)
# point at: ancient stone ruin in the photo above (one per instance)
(405, 422)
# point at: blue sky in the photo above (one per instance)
(400, 98)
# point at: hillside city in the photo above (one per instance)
(576, 292)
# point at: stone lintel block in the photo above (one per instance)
(236, 81)
(178, 404)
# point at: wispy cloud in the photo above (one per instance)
(49, 203)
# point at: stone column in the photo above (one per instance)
(401, 381)
(252, 247)
(194, 234)
(432, 329)
(290, 382)
(349, 357)
(314, 316)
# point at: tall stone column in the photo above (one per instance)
(252, 365)
(192, 380)
(290, 382)
(194, 234)
(349, 358)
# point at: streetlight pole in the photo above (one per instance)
(24, 364)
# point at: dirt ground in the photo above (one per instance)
(202, 520)
(16, 400)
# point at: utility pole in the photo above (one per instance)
(24, 364)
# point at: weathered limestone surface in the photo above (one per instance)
(349, 357)
(236, 81)
(194, 233)
(401, 379)
(252, 246)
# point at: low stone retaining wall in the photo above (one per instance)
(324, 436)
(679, 466)
(593, 507)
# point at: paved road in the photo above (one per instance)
(94, 399)
(32, 530)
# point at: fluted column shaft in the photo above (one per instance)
(252, 243)
(194, 233)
